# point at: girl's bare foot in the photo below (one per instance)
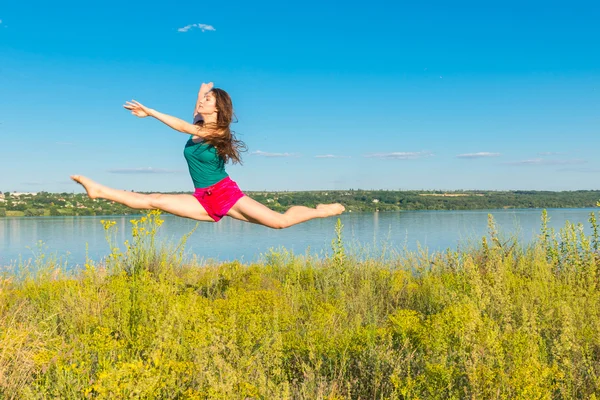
(93, 189)
(331, 209)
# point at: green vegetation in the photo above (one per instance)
(58, 204)
(493, 322)
(65, 204)
(389, 200)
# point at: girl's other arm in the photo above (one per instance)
(141, 111)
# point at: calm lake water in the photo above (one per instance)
(67, 237)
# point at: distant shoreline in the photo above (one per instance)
(355, 200)
(20, 214)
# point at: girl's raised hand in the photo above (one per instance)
(205, 88)
(137, 109)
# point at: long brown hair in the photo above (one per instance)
(224, 141)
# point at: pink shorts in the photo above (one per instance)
(218, 199)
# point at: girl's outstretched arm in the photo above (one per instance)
(141, 111)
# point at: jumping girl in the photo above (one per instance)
(210, 147)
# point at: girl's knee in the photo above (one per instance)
(279, 223)
(156, 200)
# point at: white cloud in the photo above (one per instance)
(205, 27)
(146, 170)
(401, 155)
(580, 169)
(331, 156)
(482, 154)
(267, 154)
(202, 27)
(544, 161)
(550, 153)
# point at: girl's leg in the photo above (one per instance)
(182, 205)
(247, 209)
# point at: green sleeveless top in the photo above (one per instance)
(204, 163)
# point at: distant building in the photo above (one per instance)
(18, 194)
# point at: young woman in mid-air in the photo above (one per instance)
(210, 147)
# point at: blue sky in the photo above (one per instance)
(377, 95)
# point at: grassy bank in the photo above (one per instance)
(493, 321)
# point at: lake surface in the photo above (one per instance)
(67, 237)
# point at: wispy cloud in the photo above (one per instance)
(146, 170)
(331, 156)
(202, 27)
(267, 154)
(545, 161)
(482, 154)
(64, 143)
(582, 170)
(550, 153)
(401, 155)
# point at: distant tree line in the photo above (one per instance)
(355, 200)
(389, 200)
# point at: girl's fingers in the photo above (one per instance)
(133, 103)
(136, 108)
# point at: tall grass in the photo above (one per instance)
(496, 321)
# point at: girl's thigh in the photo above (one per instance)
(182, 205)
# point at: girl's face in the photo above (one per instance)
(208, 105)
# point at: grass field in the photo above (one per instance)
(494, 321)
